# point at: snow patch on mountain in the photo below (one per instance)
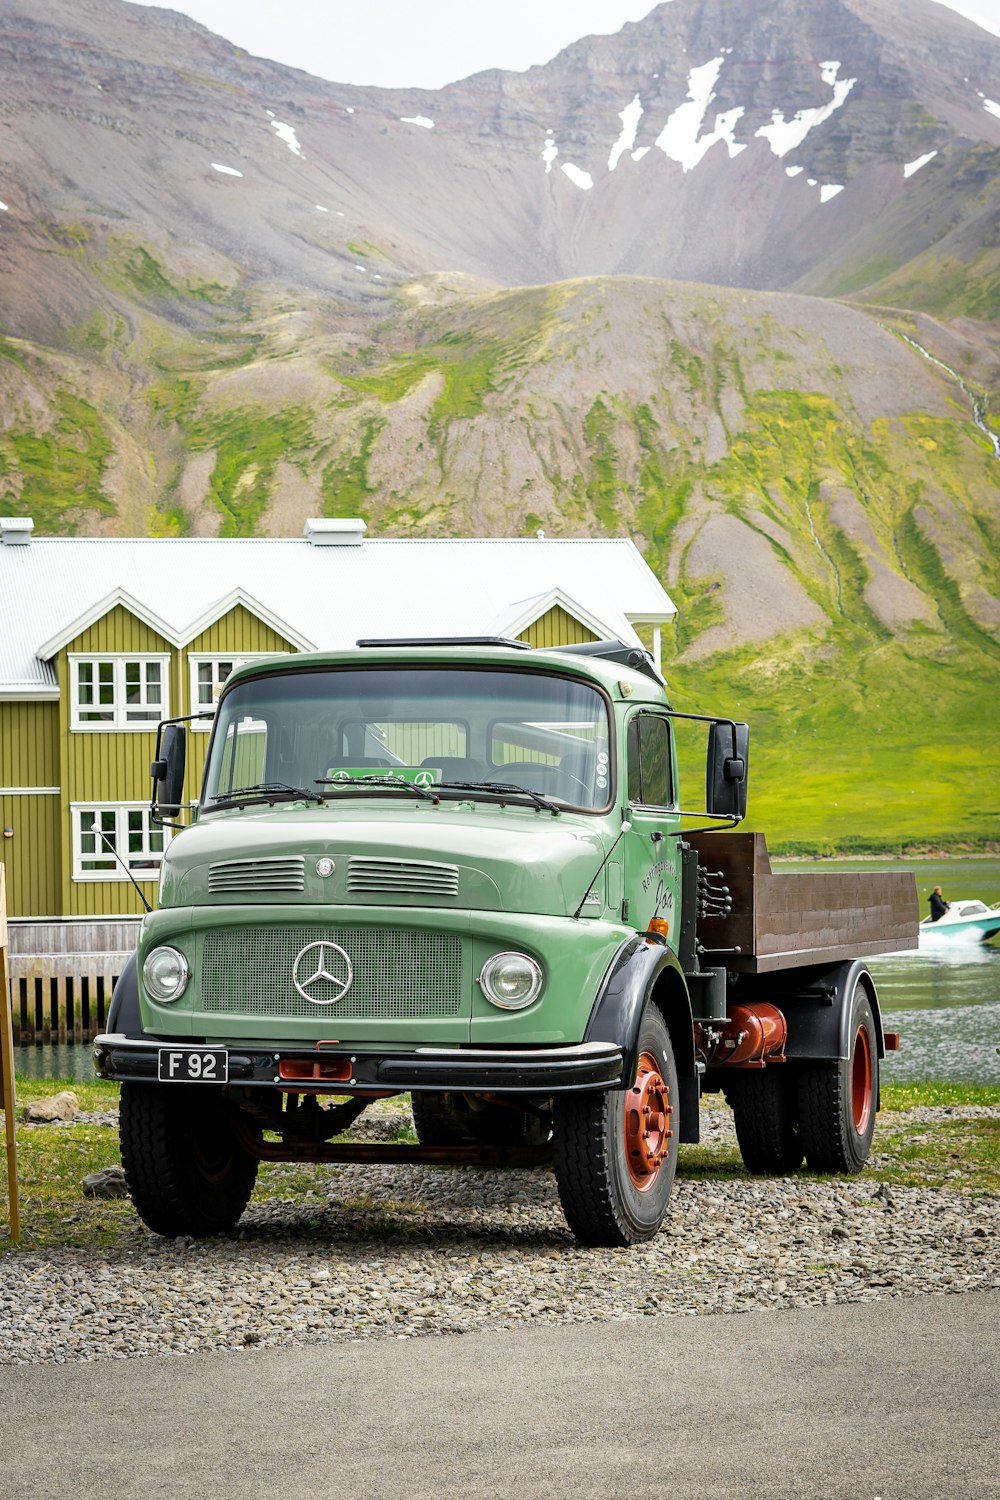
(287, 134)
(921, 161)
(578, 176)
(830, 190)
(680, 138)
(630, 117)
(420, 120)
(549, 153)
(227, 171)
(785, 135)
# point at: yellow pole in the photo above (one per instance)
(7, 1067)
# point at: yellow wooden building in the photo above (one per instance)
(101, 638)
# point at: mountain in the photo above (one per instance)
(717, 140)
(727, 282)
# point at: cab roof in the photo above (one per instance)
(606, 663)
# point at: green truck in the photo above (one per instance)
(462, 870)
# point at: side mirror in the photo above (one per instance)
(728, 769)
(168, 770)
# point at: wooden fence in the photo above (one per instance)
(61, 978)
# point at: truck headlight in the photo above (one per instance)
(511, 980)
(165, 974)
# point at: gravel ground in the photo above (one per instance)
(386, 1251)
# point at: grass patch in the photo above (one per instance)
(346, 487)
(896, 1096)
(61, 468)
(249, 443)
(603, 487)
(941, 1153)
(52, 1163)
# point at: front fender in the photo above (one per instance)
(646, 973)
(124, 1016)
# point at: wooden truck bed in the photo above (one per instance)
(802, 917)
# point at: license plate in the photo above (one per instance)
(193, 1065)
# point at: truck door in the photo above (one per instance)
(652, 886)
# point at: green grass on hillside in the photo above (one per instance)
(863, 748)
(61, 467)
(249, 443)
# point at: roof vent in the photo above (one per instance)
(15, 531)
(319, 532)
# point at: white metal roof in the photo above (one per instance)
(322, 597)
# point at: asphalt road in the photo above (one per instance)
(895, 1399)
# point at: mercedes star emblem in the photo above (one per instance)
(322, 972)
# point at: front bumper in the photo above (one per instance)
(472, 1070)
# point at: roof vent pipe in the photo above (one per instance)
(15, 531)
(320, 532)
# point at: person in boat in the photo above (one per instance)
(938, 904)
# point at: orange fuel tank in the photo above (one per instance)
(753, 1034)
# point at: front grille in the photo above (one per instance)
(240, 875)
(400, 877)
(247, 971)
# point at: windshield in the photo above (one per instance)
(330, 727)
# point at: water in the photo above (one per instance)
(55, 1060)
(944, 1000)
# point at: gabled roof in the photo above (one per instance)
(316, 597)
(176, 637)
(524, 612)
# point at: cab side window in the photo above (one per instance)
(648, 756)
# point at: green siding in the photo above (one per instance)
(29, 744)
(29, 757)
(237, 631)
(32, 858)
(556, 628)
(101, 765)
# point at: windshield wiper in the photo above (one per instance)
(393, 783)
(266, 791)
(501, 787)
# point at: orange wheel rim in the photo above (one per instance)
(647, 1123)
(861, 1081)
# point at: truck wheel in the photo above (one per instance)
(765, 1112)
(437, 1121)
(186, 1172)
(837, 1098)
(615, 1151)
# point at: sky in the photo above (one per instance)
(428, 43)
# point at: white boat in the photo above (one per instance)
(964, 921)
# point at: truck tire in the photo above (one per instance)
(837, 1099)
(185, 1170)
(615, 1151)
(454, 1120)
(437, 1121)
(765, 1112)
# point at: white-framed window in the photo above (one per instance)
(208, 677)
(119, 691)
(130, 832)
